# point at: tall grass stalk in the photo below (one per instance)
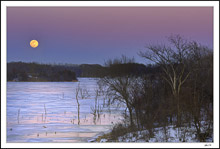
(18, 115)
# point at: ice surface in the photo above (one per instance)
(27, 120)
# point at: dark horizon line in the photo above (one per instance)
(59, 63)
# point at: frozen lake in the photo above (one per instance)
(47, 112)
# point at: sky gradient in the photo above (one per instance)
(91, 35)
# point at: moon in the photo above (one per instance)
(34, 43)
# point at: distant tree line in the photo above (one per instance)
(21, 71)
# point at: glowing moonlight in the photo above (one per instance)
(34, 43)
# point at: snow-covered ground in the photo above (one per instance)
(47, 112)
(172, 134)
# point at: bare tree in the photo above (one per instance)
(77, 100)
(119, 85)
(201, 88)
(172, 60)
(83, 93)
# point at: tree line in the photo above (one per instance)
(177, 91)
(21, 71)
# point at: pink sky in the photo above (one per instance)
(93, 34)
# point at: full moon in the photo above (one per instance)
(34, 43)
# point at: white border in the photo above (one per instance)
(214, 4)
(110, 3)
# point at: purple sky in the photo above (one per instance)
(93, 34)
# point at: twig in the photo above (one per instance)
(45, 110)
(18, 115)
